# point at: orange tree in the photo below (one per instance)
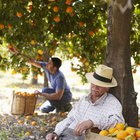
(35, 27)
(75, 29)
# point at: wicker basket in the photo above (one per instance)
(23, 105)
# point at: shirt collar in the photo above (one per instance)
(99, 101)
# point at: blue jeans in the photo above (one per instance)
(50, 105)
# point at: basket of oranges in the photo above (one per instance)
(23, 103)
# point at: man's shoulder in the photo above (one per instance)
(112, 98)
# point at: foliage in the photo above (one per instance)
(135, 36)
(74, 29)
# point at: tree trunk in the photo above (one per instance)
(45, 58)
(34, 80)
(118, 57)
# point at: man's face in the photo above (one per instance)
(98, 91)
(50, 67)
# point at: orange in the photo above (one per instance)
(69, 9)
(138, 133)
(10, 26)
(19, 14)
(120, 126)
(81, 24)
(91, 33)
(56, 19)
(40, 52)
(112, 130)
(1, 26)
(20, 121)
(33, 42)
(68, 2)
(121, 134)
(103, 132)
(33, 123)
(130, 130)
(55, 8)
(28, 117)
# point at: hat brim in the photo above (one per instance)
(97, 82)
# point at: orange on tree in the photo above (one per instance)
(56, 19)
(81, 24)
(33, 42)
(68, 2)
(40, 52)
(103, 133)
(10, 26)
(69, 9)
(1, 26)
(19, 14)
(91, 33)
(55, 8)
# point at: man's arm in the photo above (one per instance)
(34, 63)
(82, 127)
(53, 96)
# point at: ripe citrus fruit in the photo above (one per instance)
(130, 130)
(112, 130)
(69, 9)
(19, 14)
(33, 123)
(55, 8)
(120, 126)
(121, 134)
(1, 26)
(56, 19)
(103, 132)
(138, 133)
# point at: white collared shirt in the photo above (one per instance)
(106, 112)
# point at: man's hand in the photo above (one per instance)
(37, 92)
(82, 127)
(52, 136)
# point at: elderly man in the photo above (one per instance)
(98, 109)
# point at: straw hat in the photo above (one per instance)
(103, 76)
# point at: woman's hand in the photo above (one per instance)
(82, 127)
(51, 136)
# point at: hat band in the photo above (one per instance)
(103, 79)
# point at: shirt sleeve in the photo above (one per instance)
(110, 119)
(61, 126)
(43, 64)
(60, 83)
